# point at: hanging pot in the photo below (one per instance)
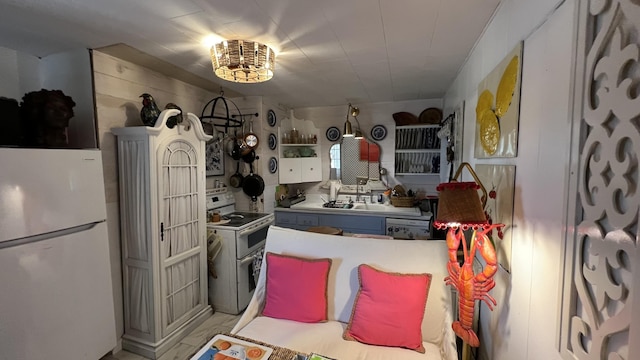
(229, 144)
(236, 179)
(253, 185)
(244, 148)
(250, 156)
(236, 152)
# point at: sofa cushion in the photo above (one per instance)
(326, 339)
(296, 288)
(389, 308)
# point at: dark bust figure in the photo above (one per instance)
(45, 116)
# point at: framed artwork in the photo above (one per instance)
(451, 133)
(498, 109)
(214, 157)
(499, 180)
(457, 129)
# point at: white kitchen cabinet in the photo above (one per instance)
(297, 170)
(418, 150)
(299, 157)
(163, 232)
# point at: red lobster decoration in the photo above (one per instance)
(471, 287)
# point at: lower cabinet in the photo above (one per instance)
(356, 224)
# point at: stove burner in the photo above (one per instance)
(240, 218)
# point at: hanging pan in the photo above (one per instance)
(250, 138)
(236, 179)
(236, 151)
(250, 156)
(253, 185)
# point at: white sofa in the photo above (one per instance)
(347, 253)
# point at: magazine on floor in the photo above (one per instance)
(227, 348)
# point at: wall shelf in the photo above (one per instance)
(417, 150)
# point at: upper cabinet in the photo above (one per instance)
(418, 150)
(299, 148)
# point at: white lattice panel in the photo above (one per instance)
(598, 320)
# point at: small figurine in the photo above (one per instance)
(150, 111)
(176, 119)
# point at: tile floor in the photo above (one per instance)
(218, 322)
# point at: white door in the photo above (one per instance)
(289, 170)
(56, 300)
(311, 169)
(180, 237)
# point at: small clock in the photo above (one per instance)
(273, 141)
(333, 133)
(251, 140)
(271, 118)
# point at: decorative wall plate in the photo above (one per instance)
(273, 141)
(378, 132)
(273, 165)
(271, 118)
(333, 133)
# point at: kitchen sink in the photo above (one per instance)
(378, 207)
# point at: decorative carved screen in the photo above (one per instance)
(601, 281)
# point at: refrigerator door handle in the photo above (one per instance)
(46, 236)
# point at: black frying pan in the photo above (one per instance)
(253, 184)
(250, 156)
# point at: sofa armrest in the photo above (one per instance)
(448, 347)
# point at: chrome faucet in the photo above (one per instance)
(360, 181)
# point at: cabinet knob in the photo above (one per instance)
(311, 169)
(290, 170)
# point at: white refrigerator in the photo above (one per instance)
(56, 296)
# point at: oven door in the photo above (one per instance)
(252, 237)
(246, 279)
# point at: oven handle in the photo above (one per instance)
(253, 228)
(247, 260)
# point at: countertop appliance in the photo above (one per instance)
(242, 235)
(56, 297)
(408, 229)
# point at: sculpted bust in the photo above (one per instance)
(45, 116)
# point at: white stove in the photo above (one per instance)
(242, 236)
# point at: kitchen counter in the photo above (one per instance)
(361, 219)
(315, 205)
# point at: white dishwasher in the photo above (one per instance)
(408, 229)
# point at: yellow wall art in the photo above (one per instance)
(498, 109)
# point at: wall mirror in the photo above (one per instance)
(354, 158)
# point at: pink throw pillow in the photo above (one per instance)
(296, 288)
(388, 309)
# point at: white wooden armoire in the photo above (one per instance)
(163, 232)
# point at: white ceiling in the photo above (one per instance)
(330, 52)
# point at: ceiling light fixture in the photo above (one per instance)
(243, 61)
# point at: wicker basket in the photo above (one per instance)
(402, 201)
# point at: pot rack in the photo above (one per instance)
(228, 118)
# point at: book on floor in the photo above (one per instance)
(227, 347)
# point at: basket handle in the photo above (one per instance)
(483, 198)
